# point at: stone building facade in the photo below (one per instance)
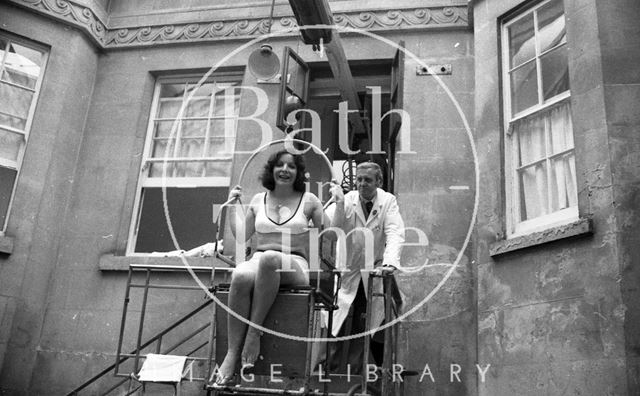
(524, 176)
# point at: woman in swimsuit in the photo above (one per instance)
(285, 208)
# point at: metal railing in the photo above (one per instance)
(129, 378)
(323, 287)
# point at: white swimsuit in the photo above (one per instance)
(297, 224)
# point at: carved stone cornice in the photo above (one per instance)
(238, 29)
(408, 18)
(72, 13)
(85, 18)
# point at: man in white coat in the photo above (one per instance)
(368, 212)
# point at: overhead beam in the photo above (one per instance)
(346, 84)
(317, 12)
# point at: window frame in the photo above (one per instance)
(144, 181)
(17, 164)
(515, 227)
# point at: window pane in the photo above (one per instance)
(172, 90)
(13, 122)
(223, 127)
(178, 169)
(204, 90)
(190, 211)
(551, 25)
(531, 145)
(218, 169)
(533, 192)
(524, 88)
(227, 104)
(220, 147)
(521, 41)
(10, 144)
(189, 169)
(157, 169)
(197, 108)
(555, 72)
(15, 101)
(191, 148)
(163, 129)
(194, 128)
(296, 75)
(34, 56)
(7, 179)
(169, 108)
(20, 78)
(217, 127)
(159, 149)
(22, 65)
(560, 128)
(563, 183)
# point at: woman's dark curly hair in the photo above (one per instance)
(267, 172)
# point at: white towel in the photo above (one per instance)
(162, 368)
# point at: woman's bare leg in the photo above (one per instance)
(267, 282)
(242, 283)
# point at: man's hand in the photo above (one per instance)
(384, 270)
(336, 191)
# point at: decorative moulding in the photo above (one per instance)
(72, 13)
(85, 18)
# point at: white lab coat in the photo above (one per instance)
(387, 228)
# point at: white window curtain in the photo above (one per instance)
(545, 162)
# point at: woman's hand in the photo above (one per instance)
(235, 193)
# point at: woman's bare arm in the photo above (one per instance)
(242, 219)
(318, 216)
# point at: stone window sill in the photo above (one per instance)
(6, 244)
(579, 227)
(111, 262)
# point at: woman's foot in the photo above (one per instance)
(224, 381)
(251, 349)
(226, 375)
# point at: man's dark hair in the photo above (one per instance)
(267, 172)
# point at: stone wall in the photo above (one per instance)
(40, 213)
(620, 48)
(436, 190)
(551, 317)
